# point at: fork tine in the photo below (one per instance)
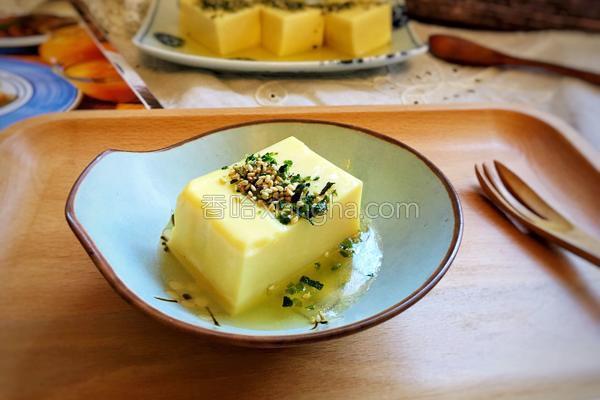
(506, 195)
(526, 195)
(490, 190)
(572, 239)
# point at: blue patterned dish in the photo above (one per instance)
(35, 89)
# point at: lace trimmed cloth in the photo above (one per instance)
(422, 80)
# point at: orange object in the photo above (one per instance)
(68, 46)
(99, 79)
(130, 106)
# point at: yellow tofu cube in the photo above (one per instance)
(359, 29)
(287, 32)
(223, 32)
(240, 253)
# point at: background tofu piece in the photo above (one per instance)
(286, 32)
(241, 257)
(360, 29)
(220, 31)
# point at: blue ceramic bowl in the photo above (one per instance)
(120, 203)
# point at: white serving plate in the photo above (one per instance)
(163, 17)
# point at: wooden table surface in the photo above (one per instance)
(513, 318)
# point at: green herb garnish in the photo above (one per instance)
(224, 5)
(291, 289)
(347, 248)
(269, 158)
(284, 168)
(274, 186)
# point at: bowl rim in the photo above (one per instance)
(257, 340)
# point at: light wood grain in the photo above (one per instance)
(514, 318)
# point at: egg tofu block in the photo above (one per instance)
(286, 32)
(240, 255)
(359, 29)
(223, 32)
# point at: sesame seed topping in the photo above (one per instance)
(274, 187)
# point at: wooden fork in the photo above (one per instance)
(514, 197)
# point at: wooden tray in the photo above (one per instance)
(513, 318)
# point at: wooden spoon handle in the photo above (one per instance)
(559, 69)
(461, 51)
(584, 245)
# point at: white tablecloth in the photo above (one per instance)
(422, 80)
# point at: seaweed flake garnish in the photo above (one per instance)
(214, 320)
(168, 300)
(287, 302)
(311, 282)
(327, 186)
